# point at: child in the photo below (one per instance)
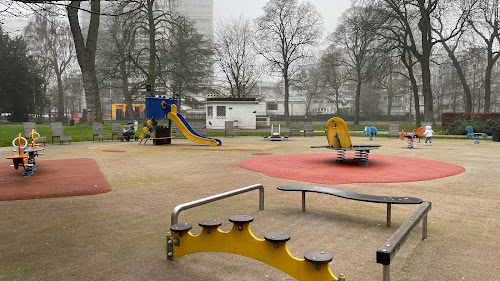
(428, 135)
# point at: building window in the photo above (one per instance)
(221, 111)
(272, 106)
(210, 111)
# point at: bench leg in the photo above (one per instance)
(424, 228)
(303, 201)
(389, 205)
(386, 273)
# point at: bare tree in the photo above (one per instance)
(86, 53)
(459, 12)
(52, 40)
(388, 77)
(333, 74)
(284, 33)
(420, 39)
(149, 21)
(235, 56)
(397, 38)
(309, 81)
(356, 35)
(486, 24)
(371, 99)
(115, 47)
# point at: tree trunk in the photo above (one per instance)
(424, 25)
(60, 96)
(487, 82)
(152, 44)
(126, 93)
(414, 87)
(461, 75)
(285, 104)
(179, 92)
(357, 97)
(85, 53)
(389, 104)
(337, 100)
(427, 91)
(416, 102)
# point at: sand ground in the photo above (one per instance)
(120, 235)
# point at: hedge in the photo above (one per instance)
(454, 123)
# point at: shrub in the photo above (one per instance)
(457, 127)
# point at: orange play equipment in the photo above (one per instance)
(416, 133)
(26, 153)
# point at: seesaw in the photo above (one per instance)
(416, 133)
(240, 240)
(26, 154)
(338, 138)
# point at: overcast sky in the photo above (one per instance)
(330, 9)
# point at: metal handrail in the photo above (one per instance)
(175, 213)
(391, 247)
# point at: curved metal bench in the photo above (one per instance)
(389, 200)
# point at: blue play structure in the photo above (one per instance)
(162, 107)
(471, 134)
(370, 132)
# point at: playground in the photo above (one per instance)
(119, 232)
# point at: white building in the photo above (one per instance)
(199, 11)
(241, 111)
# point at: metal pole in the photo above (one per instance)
(261, 198)
(303, 201)
(389, 205)
(387, 273)
(424, 228)
(175, 213)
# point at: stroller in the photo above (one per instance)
(129, 131)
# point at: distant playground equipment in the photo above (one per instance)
(338, 138)
(370, 132)
(26, 153)
(240, 240)
(160, 107)
(416, 133)
(129, 129)
(276, 136)
(471, 134)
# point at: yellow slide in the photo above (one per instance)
(337, 133)
(172, 115)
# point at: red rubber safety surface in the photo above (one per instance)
(52, 178)
(323, 169)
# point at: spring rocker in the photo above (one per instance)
(27, 161)
(416, 133)
(370, 132)
(471, 134)
(338, 138)
(240, 240)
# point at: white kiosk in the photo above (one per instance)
(242, 111)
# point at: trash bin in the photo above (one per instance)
(72, 122)
(496, 134)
